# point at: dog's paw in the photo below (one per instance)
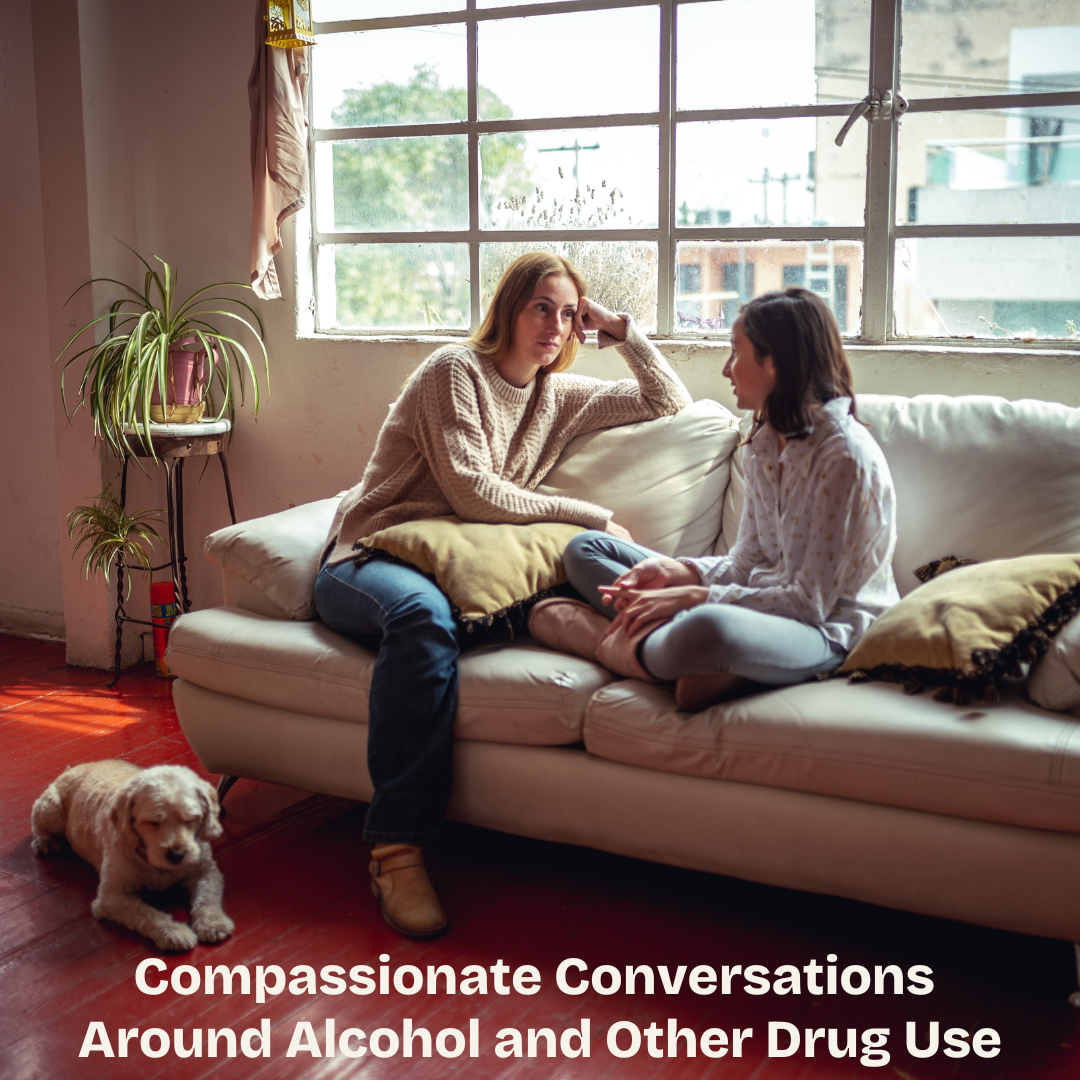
(212, 926)
(176, 937)
(48, 845)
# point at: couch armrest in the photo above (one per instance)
(269, 564)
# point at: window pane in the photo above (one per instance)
(581, 64)
(715, 278)
(770, 172)
(817, 50)
(377, 185)
(989, 47)
(1008, 165)
(337, 10)
(598, 179)
(400, 286)
(996, 287)
(621, 275)
(407, 76)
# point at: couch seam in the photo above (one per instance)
(307, 673)
(810, 755)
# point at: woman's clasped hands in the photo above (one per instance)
(652, 590)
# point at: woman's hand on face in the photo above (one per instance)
(618, 531)
(593, 316)
(642, 607)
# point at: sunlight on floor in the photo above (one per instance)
(87, 711)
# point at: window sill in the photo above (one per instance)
(927, 347)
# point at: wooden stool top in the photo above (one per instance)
(181, 440)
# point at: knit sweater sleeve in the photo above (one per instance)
(655, 390)
(451, 435)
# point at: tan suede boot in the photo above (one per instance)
(406, 896)
(618, 651)
(568, 626)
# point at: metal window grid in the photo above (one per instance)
(878, 234)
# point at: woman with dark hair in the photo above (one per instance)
(810, 569)
(475, 429)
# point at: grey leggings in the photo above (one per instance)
(707, 639)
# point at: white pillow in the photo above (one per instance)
(664, 479)
(277, 554)
(978, 477)
(735, 496)
(1055, 681)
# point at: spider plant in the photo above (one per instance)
(123, 370)
(111, 534)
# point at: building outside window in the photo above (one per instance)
(684, 155)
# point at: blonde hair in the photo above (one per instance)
(494, 340)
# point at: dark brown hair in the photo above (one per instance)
(495, 337)
(796, 328)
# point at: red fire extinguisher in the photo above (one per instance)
(162, 613)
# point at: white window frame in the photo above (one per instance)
(878, 234)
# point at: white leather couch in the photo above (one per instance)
(970, 813)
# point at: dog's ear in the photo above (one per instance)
(123, 808)
(210, 827)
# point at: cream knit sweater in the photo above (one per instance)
(461, 440)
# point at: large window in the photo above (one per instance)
(685, 155)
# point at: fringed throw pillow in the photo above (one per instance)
(964, 631)
(492, 574)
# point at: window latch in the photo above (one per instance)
(877, 105)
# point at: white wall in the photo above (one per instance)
(167, 170)
(31, 595)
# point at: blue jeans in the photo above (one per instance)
(707, 639)
(399, 613)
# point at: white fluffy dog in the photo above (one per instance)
(141, 829)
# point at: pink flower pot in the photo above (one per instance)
(185, 384)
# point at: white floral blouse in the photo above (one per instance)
(815, 545)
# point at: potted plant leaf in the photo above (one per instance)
(161, 353)
(112, 535)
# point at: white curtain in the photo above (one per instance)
(277, 91)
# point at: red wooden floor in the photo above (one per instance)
(296, 887)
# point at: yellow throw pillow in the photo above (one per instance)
(489, 572)
(966, 630)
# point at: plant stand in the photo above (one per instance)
(172, 443)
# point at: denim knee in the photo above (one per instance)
(582, 551)
(705, 629)
(422, 617)
(584, 545)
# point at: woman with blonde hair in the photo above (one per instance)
(476, 428)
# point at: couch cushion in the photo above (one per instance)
(242, 594)
(735, 495)
(278, 555)
(513, 694)
(1055, 681)
(1011, 763)
(978, 477)
(664, 479)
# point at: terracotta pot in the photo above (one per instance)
(185, 383)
